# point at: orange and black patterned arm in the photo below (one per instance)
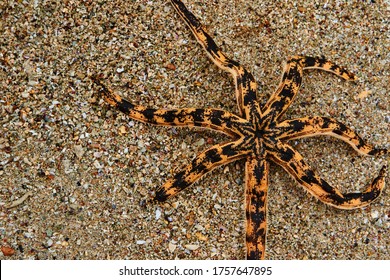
(215, 119)
(244, 81)
(294, 164)
(203, 163)
(291, 80)
(311, 126)
(256, 171)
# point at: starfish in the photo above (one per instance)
(258, 136)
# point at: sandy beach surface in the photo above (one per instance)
(86, 173)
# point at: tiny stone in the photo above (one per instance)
(379, 222)
(171, 66)
(200, 142)
(97, 154)
(122, 130)
(67, 166)
(49, 243)
(26, 160)
(25, 94)
(374, 214)
(175, 204)
(199, 227)
(140, 144)
(79, 151)
(191, 247)
(158, 214)
(171, 247)
(97, 164)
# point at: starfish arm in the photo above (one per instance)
(326, 65)
(203, 163)
(311, 126)
(294, 164)
(256, 171)
(209, 118)
(291, 80)
(244, 81)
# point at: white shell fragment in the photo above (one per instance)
(158, 214)
(191, 247)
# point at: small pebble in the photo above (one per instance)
(175, 204)
(97, 164)
(200, 142)
(7, 251)
(171, 247)
(49, 243)
(97, 154)
(122, 130)
(158, 214)
(191, 247)
(78, 150)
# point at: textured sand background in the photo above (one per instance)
(91, 170)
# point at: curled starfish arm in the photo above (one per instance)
(256, 171)
(311, 126)
(203, 163)
(244, 81)
(216, 119)
(326, 65)
(294, 164)
(291, 80)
